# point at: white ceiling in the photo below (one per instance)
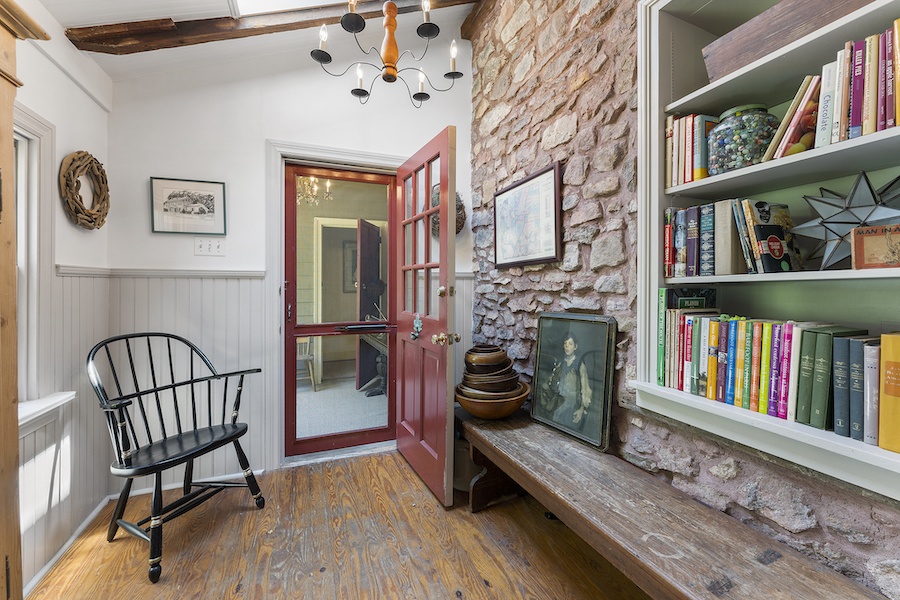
(79, 13)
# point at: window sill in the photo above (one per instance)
(34, 414)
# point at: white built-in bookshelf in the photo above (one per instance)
(672, 80)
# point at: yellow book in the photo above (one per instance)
(712, 359)
(765, 366)
(889, 393)
(739, 363)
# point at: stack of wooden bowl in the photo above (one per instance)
(490, 388)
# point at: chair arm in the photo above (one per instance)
(125, 399)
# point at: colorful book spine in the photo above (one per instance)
(679, 241)
(747, 366)
(694, 367)
(765, 366)
(857, 83)
(889, 393)
(730, 356)
(826, 104)
(668, 241)
(840, 377)
(841, 95)
(670, 133)
(703, 356)
(743, 234)
(896, 57)
(800, 134)
(786, 357)
(661, 337)
(685, 333)
(707, 240)
(881, 114)
(727, 248)
(872, 380)
(774, 404)
(870, 86)
(722, 360)
(712, 360)
(755, 366)
(890, 108)
(739, 344)
(703, 124)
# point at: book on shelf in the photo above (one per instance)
(703, 124)
(712, 359)
(757, 212)
(822, 394)
(692, 241)
(895, 56)
(743, 234)
(774, 256)
(722, 359)
(807, 359)
(668, 242)
(707, 240)
(673, 298)
(875, 246)
(670, 133)
(772, 390)
(800, 134)
(677, 338)
(731, 359)
(890, 108)
(685, 344)
(881, 113)
(782, 127)
(765, 366)
(871, 381)
(856, 383)
(740, 358)
(889, 393)
(857, 82)
(826, 104)
(791, 366)
(702, 361)
(677, 148)
(840, 378)
(754, 368)
(687, 150)
(729, 257)
(842, 94)
(679, 242)
(870, 85)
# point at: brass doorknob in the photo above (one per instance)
(439, 338)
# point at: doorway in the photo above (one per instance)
(338, 390)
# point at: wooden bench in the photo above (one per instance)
(669, 544)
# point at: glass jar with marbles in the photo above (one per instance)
(741, 137)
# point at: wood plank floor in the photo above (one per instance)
(363, 527)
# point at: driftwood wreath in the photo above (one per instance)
(74, 166)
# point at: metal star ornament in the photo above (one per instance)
(838, 215)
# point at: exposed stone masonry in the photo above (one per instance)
(553, 81)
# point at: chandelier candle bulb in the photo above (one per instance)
(426, 10)
(421, 81)
(323, 37)
(359, 75)
(352, 6)
(453, 55)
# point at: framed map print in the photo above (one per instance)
(527, 220)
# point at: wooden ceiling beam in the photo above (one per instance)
(143, 36)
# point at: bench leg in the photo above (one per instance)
(156, 530)
(120, 510)
(491, 485)
(249, 476)
(188, 477)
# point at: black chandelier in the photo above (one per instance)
(389, 56)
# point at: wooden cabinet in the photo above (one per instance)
(673, 80)
(16, 25)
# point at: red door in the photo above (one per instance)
(425, 328)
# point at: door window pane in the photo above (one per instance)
(330, 272)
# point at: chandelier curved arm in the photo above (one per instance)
(427, 78)
(413, 101)
(368, 52)
(412, 54)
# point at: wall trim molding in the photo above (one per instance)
(76, 271)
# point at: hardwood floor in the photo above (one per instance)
(363, 527)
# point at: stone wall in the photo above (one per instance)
(555, 81)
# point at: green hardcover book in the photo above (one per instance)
(748, 366)
(822, 394)
(765, 365)
(805, 375)
(695, 355)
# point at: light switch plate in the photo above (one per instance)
(209, 246)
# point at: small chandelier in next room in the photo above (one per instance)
(308, 191)
(389, 56)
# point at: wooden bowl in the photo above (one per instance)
(488, 383)
(497, 368)
(493, 357)
(494, 409)
(475, 394)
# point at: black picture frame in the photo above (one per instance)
(527, 220)
(562, 388)
(187, 206)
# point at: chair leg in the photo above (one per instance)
(249, 476)
(312, 375)
(156, 531)
(188, 477)
(119, 511)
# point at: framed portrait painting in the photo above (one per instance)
(573, 374)
(527, 228)
(187, 206)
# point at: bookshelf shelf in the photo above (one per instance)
(672, 80)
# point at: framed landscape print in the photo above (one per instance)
(527, 220)
(573, 374)
(187, 206)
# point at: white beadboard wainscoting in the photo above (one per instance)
(67, 457)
